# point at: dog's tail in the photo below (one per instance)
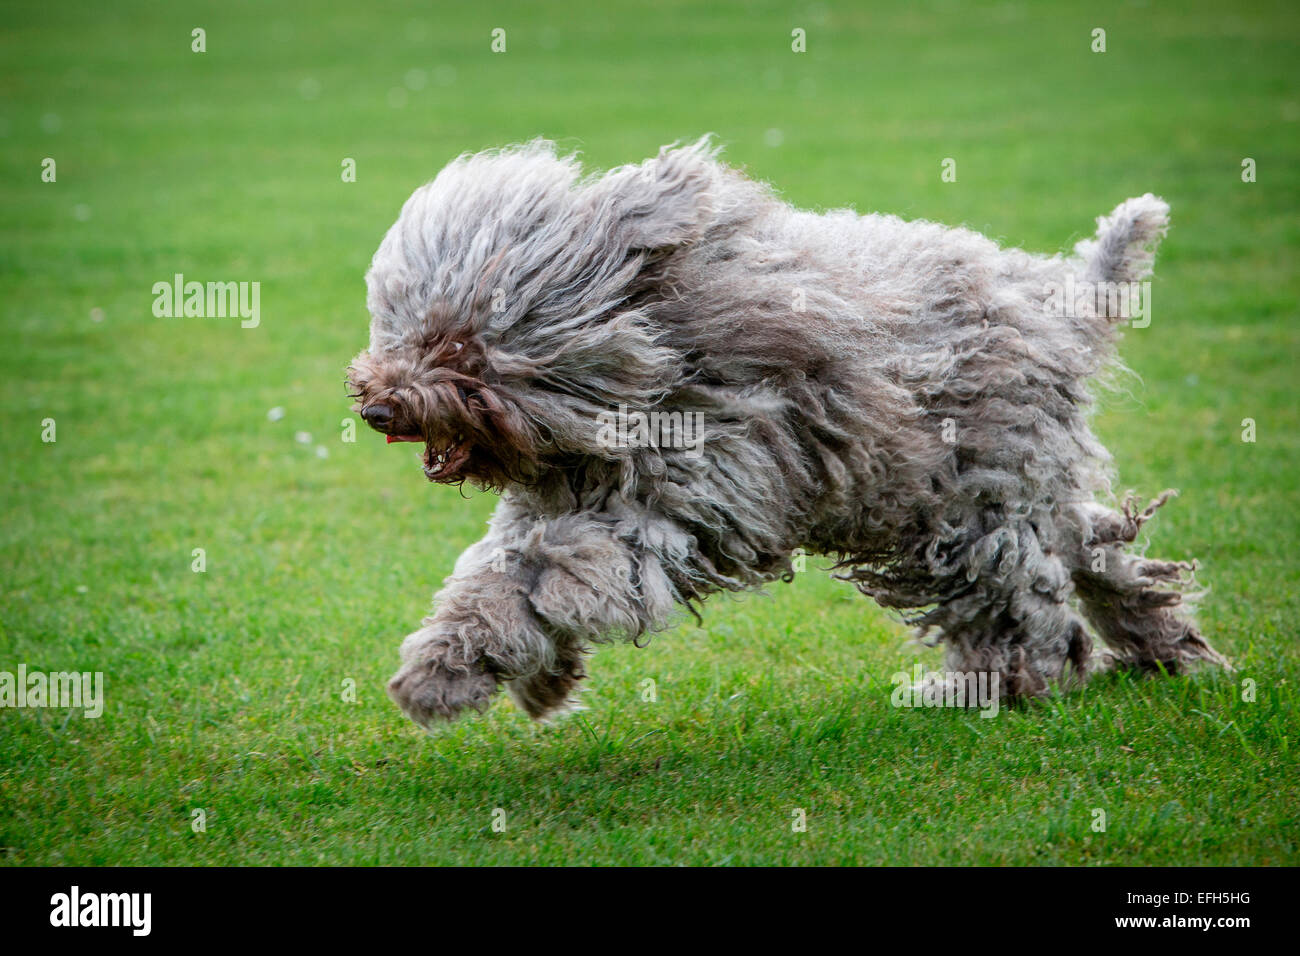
(1125, 245)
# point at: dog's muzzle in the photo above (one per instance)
(377, 416)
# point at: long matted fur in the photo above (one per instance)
(897, 395)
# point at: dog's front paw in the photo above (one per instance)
(432, 685)
(547, 696)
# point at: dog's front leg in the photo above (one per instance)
(481, 630)
(521, 607)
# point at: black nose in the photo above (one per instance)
(376, 415)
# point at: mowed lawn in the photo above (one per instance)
(227, 690)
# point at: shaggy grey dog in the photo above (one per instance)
(907, 398)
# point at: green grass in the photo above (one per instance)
(224, 688)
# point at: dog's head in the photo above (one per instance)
(507, 307)
(442, 391)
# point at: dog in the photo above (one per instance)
(906, 398)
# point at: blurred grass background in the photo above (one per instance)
(224, 688)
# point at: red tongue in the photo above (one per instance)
(392, 438)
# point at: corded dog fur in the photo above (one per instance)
(900, 396)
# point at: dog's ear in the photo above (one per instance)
(662, 202)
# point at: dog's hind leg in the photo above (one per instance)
(1010, 614)
(1135, 603)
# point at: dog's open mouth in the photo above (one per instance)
(441, 462)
